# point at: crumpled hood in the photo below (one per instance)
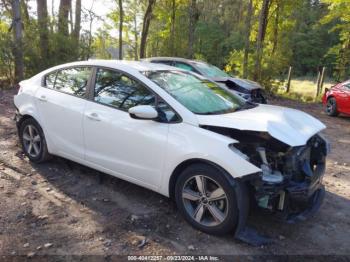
(290, 126)
(245, 83)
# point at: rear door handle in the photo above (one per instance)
(42, 98)
(93, 116)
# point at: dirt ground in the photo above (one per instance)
(63, 208)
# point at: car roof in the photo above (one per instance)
(166, 58)
(178, 59)
(140, 66)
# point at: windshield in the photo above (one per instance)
(210, 70)
(198, 95)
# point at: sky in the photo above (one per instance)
(99, 7)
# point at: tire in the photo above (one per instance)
(215, 217)
(331, 107)
(33, 141)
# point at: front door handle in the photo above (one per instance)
(42, 98)
(93, 116)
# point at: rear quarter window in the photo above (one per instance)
(72, 80)
(50, 80)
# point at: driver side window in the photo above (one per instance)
(122, 92)
(118, 90)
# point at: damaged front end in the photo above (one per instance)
(290, 181)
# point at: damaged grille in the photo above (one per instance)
(302, 168)
(307, 162)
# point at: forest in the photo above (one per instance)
(255, 39)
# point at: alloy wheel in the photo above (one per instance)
(330, 105)
(205, 200)
(32, 141)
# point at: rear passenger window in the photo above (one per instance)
(50, 80)
(72, 80)
(118, 90)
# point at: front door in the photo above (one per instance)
(129, 148)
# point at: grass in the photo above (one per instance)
(303, 89)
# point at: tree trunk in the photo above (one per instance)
(247, 38)
(275, 29)
(63, 14)
(145, 27)
(52, 16)
(17, 37)
(136, 37)
(71, 18)
(194, 15)
(121, 19)
(260, 39)
(172, 28)
(77, 23)
(24, 7)
(43, 30)
(77, 27)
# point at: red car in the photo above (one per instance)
(337, 99)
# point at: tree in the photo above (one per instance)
(145, 27)
(263, 19)
(121, 19)
(247, 38)
(43, 30)
(172, 27)
(25, 13)
(63, 14)
(275, 28)
(136, 37)
(193, 18)
(17, 38)
(77, 24)
(339, 12)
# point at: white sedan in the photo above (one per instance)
(178, 134)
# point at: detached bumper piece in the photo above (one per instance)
(312, 206)
(301, 193)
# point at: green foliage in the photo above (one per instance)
(339, 17)
(6, 57)
(305, 34)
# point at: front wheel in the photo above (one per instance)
(206, 199)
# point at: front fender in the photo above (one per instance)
(186, 142)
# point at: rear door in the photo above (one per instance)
(61, 104)
(129, 148)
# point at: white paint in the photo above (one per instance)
(147, 152)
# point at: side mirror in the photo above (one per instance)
(143, 112)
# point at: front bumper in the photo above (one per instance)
(301, 193)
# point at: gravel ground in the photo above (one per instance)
(63, 208)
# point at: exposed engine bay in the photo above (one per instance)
(290, 181)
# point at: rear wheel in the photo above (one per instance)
(331, 107)
(33, 141)
(206, 199)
